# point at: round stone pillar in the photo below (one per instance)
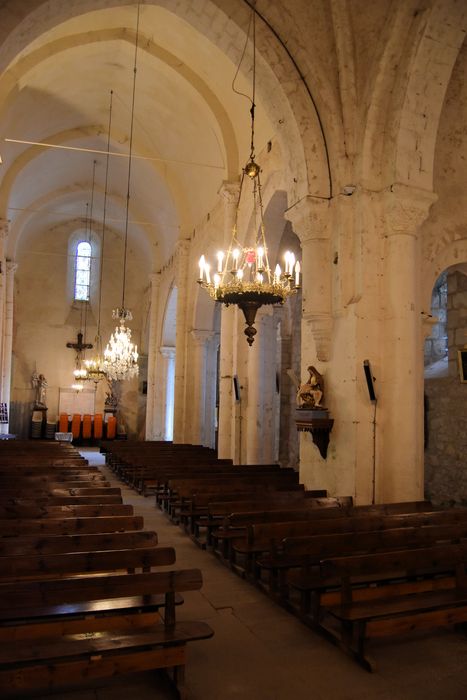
(151, 391)
(4, 227)
(311, 221)
(259, 431)
(201, 389)
(179, 425)
(164, 413)
(7, 343)
(228, 339)
(401, 401)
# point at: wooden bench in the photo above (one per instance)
(60, 497)
(294, 566)
(59, 544)
(124, 632)
(69, 525)
(265, 537)
(391, 612)
(63, 564)
(27, 509)
(209, 514)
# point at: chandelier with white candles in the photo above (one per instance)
(120, 355)
(242, 275)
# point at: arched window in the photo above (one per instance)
(82, 271)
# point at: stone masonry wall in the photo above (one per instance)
(446, 449)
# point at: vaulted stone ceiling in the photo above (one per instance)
(191, 130)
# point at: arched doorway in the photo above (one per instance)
(445, 390)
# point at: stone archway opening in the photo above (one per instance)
(445, 393)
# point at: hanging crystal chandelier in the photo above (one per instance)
(120, 355)
(95, 366)
(243, 275)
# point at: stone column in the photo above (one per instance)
(4, 227)
(151, 392)
(228, 336)
(311, 221)
(259, 429)
(8, 337)
(401, 477)
(181, 281)
(166, 393)
(201, 340)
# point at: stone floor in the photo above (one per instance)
(260, 652)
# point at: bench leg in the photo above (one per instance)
(179, 681)
(353, 638)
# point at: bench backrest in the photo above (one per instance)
(23, 596)
(263, 534)
(30, 510)
(70, 525)
(59, 544)
(439, 558)
(71, 563)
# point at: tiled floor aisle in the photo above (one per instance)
(260, 652)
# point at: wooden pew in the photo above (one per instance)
(28, 510)
(122, 634)
(64, 564)
(264, 537)
(396, 613)
(59, 544)
(294, 566)
(209, 514)
(69, 525)
(181, 490)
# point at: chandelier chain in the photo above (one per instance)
(104, 213)
(130, 157)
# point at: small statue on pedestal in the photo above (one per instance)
(311, 394)
(39, 382)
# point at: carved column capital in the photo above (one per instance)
(168, 352)
(229, 191)
(406, 208)
(11, 267)
(311, 218)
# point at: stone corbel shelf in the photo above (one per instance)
(316, 423)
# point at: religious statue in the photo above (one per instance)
(39, 383)
(111, 397)
(310, 394)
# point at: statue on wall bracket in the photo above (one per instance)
(311, 416)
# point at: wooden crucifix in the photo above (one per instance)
(79, 346)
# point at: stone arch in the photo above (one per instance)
(448, 253)
(286, 100)
(19, 226)
(408, 91)
(53, 49)
(175, 190)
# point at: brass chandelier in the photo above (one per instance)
(243, 276)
